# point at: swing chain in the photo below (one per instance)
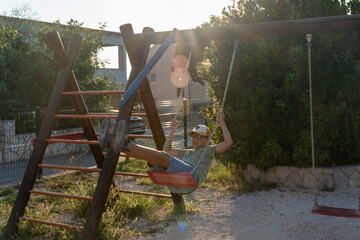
(308, 40)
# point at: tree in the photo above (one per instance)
(28, 70)
(267, 107)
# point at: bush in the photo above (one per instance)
(267, 108)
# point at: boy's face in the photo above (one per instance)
(198, 140)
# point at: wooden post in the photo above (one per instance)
(152, 114)
(80, 107)
(104, 183)
(41, 144)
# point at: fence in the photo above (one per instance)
(19, 127)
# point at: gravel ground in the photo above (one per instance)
(281, 213)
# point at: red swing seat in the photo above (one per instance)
(336, 212)
(178, 179)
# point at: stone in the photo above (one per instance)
(348, 171)
(253, 172)
(293, 180)
(302, 172)
(270, 177)
(309, 181)
(341, 180)
(282, 173)
(326, 181)
(354, 180)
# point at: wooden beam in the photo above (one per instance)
(145, 92)
(80, 107)
(44, 133)
(97, 206)
(264, 29)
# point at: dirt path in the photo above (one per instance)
(281, 213)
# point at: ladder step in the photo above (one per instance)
(95, 115)
(53, 140)
(94, 93)
(90, 170)
(145, 193)
(76, 137)
(63, 225)
(60, 195)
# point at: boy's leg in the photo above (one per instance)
(152, 156)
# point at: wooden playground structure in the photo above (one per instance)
(138, 46)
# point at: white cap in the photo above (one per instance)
(201, 130)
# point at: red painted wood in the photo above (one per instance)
(179, 179)
(336, 212)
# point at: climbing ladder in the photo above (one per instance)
(66, 85)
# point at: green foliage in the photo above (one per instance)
(28, 70)
(267, 108)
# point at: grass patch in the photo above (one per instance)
(125, 215)
(257, 185)
(222, 177)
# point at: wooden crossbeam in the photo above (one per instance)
(254, 30)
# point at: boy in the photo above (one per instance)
(181, 160)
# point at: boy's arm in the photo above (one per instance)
(227, 143)
(169, 149)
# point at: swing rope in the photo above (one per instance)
(323, 210)
(195, 170)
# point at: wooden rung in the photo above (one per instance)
(90, 170)
(94, 93)
(96, 115)
(145, 193)
(121, 154)
(52, 140)
(63, 225)
(60, 195)
(76, 138)
(139, 136)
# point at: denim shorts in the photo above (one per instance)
(176, 165)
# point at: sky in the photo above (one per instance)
(161, 15)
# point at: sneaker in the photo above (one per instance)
(105, 137)
(121, 141)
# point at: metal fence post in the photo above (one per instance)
(185, 122)
(37, 128)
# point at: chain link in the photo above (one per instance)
(308, 39)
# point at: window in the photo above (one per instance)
(114, 57)
(152, 77)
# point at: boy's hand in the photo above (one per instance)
(221, 116)
(174, 123)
